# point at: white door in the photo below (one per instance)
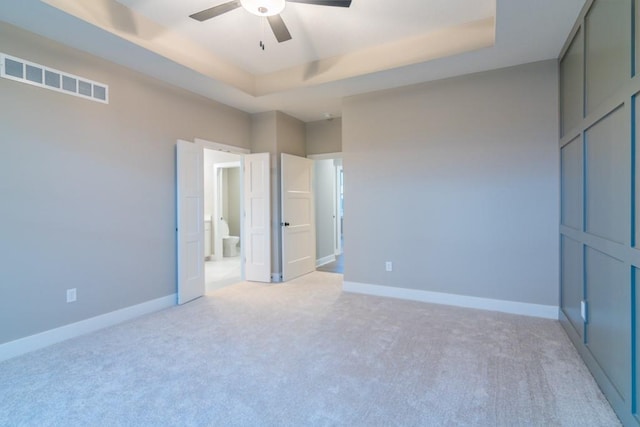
(257, 217)
(190, 220)
(297, 219)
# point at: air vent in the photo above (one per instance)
(17, 69)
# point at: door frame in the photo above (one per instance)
(337, 158)
(339, 170)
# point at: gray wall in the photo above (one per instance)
(324, 136)
(599, 228)
(88, 190)
(291, 135)
(323, 187)
(456, 182)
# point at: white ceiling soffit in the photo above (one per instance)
(187, 48)
(310, 77)
(318, 31)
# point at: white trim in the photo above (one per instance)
(325, 156)
(210, 145)
(338, 173)
(325, 260)
(227, 165)
(53, 336)
(513, 307)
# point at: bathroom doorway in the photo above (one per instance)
(222, 215)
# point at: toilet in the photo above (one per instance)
(229, 243)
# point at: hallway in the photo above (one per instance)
(336, 266)
(222, 273)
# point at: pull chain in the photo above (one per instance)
(262, 45)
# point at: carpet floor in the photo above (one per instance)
(306, 354)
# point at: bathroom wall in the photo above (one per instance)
(233, 201)
(88, 189)
(224, 197)
(211, 157)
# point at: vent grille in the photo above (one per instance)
(17, 69)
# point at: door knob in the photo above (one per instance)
(285, 224)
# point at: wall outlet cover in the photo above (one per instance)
(71, 295)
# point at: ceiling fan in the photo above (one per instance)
(268, 8)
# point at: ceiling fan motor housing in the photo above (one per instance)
(263, 7)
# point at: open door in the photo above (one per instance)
(257, 217)
(298, 217)
(190, 221)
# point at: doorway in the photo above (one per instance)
(222, 216)
(255, 253)
(329, 190)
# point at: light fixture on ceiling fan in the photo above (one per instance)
(267, 8)
(263, 7)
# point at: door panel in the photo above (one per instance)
(609, 318)
(572, 282)
(190, 221)
(257, 217)
(298, 219)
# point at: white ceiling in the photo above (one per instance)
(317, 31)
(373, 45)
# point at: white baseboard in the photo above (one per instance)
(513, 307)
(325, 260)
(53, 336)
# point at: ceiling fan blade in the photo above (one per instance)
(215, 11)
(280, 30)
(337, 3)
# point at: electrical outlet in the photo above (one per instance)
(71, 295)
(388, 266)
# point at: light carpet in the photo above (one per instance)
(306, 354)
